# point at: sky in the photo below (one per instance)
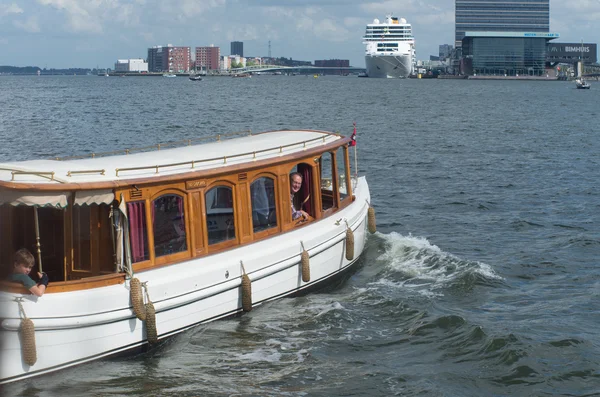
(95, 33)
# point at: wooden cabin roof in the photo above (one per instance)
(164, 162)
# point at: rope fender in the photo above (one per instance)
(371, 219)
(349, 243)
(150, 314)
(137, 299)
(246, 291)
(305, 263)
(27, 336)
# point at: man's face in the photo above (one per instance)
(296, 183)
(21, 268)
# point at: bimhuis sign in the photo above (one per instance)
(572, 52)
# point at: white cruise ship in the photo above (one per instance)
(390, 48)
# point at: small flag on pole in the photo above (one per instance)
(353, 136)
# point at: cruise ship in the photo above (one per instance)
(390, 48)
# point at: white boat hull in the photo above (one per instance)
(388, 66)
(80, 326)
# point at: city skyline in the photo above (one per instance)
(70, 33)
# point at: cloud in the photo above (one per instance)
(30, 24)
(83, 16)
(7, 9)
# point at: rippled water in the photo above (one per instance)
(481, 281)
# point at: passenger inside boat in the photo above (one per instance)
(295, 185)
(23, 262)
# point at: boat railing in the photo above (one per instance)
(158, 146)
(43, 174)
(52, 176)
(193, 163)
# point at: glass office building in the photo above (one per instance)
(500, 16)
(505, 53)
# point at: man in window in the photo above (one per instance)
(295, 185)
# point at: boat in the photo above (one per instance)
(248, 75)
(580, 83)
(196, 78)
(140, 245)
(390, 48)
(169, 75)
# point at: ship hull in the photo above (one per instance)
(388, 66)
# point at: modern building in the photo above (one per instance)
(505, 53)
(445, 51)
(237, 48)
(207, 58)
(500, 16)
(131, 65)
(155, 59)
(572, 53)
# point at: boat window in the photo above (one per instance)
(17, 230)
(168, 225)
(138, 235)
(262, 194)
(327, 182)
(220, 221)
(343, 174)
(92, 241)
(302, 200)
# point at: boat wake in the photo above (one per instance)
(414, 264)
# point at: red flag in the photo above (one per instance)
(353, 137)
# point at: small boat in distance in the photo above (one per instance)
(186, 234)
(196, 78)
(169, 75)
(581, 84)
(248, 75)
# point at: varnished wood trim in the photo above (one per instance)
(68, 286)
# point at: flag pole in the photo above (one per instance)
(37, 237)
(355, 152)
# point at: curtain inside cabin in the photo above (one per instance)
(138, 235)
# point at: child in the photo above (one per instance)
(23, 262)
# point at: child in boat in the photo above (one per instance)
(23, 262)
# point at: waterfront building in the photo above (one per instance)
(333, 63)
(176, 59)
(169, 58)
(155, 59)
(227, 62)
(131, 65)
(505, 53)
(445, 51)
(207, 58)
(501, 16)
(237, 48)
(572, 53)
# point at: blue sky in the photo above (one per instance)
(90, 33)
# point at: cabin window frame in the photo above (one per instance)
(314, 200)
(176, 256)
(346, 201)
(276, 192)
(98, 241)
(237, 217)
(147, 262)
(334, 184)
